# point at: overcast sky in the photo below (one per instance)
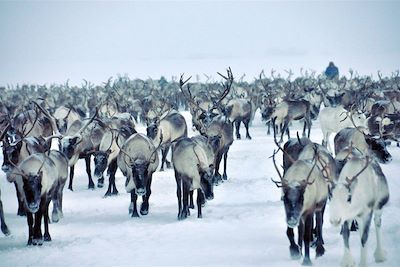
(44, 42)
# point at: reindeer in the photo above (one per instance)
(305, 193)
(360, 192)
(193, 170)
(64, 117)
(368, 145)
(40, 179)
(138, 160)
(119, 130)
(81, 141)
(239, 110)
(216, 127)
(289, 110)
(333, 119)
(19, 143)
(171, 126)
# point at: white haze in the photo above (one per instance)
(45, 42)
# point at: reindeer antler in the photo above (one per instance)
(367, 162)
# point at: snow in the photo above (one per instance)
(243, 226)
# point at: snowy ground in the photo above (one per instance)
(243, 226)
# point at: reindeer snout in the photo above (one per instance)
(141, 191)
(5, 168)
(335, 222)
(292, 222)
(33, 207)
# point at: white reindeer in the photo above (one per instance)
(360, 192)
(333, 119)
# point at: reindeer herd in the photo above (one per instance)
(100, 121)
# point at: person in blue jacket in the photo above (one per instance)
(332, 71)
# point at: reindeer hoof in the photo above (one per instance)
(47, 238)
(248, 137)
(319, 251)
(183, 215)
(306, 262)
(5, 230)
(107, 194)
(54, 217)
(144, 209)
(21, 212)
(295, 252)
(37, 241)
(135, 214)
(114, 193)
(91, 186)
(168, 164)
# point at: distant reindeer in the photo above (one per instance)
(289, 110)
(171, 126)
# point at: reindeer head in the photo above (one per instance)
(342, 191)
(293, 188)
(378, 148)
(32, 185)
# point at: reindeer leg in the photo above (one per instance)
(307, 239)
(112, 169)
(89, 172)
(294, 249)
(300, 230)
(178, 180)
(199, 202)
(246, 125)
(224, 176)
(191, 204)
(144, 208)
(320, 250)
(217, 177)
(166, 154)
(54, 214)
(379, 254)
(283, 130)
(134, 204)
(163, 158)
(47, 237)
(268, 127)
(237, 127)
(71, 177)
(185, 203)
(21, 210)
(364, 231)
(60, 200)
(4, 227)
(29, 218)
(37, 229)
(347, 259)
